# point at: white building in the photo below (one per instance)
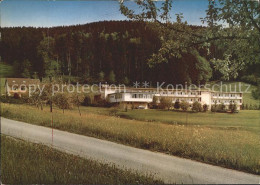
(135, 97)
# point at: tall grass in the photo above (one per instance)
(27, 163)
(230, 147)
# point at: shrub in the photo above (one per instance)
(63, 101)
(205, 107)
(232, 107)
(252, 79)
(87, 100)
(184, 105)
(221, 108)
(10, 99)
(196, 106)
(154, 104)
(177, 105)
(214, 108)
(165, 102)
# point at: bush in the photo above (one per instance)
(205, 108)
(184, 105)
(154, 104)
(232, 107)
(10, 99)
(165, 103)
(221, 108)
(87, 100)
(251, 79)
(177, 105)
(196, 107)
(214, 108)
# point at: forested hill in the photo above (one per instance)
(107, 51)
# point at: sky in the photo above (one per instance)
(44, 13)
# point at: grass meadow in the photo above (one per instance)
(28, 163)
(229, 140)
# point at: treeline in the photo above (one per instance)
(112, 51)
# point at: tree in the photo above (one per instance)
(101, 76)
(165, 102)
(26, 69)
(256, 92)
(221, 108)
(112, 77)
(238, 42)
(184, 105)
(126, 81)
(196, 106)
(78, 99)
(6, 70)
(35, 98)
(232, 107)
(155, 101)
(177, 105)
(205, 107)
(62, 100)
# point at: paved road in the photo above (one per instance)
(169, 168)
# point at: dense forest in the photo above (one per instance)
(112, 51)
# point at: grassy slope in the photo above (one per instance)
(28, 163)
(231, 140)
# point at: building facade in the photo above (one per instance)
(143, 97)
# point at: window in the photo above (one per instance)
(141, 95)
(22, 88)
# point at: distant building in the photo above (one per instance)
(143, 97)
(19, 86)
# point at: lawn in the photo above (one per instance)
(27, 163)
(228, 140)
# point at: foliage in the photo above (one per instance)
(184, 105)
(63, 101)
(238, 43)
(177, 105)
(155, 102)
(29, 163)
(232, 107)
(221, 108)
(52, 53)
(205, 107)
(6, 70)
(101, 76)
(251, 79)
(112, 77)
(196, 106)
(165, 102)
(88, 100)
(214, 108)
(10, 99)
(256, 92)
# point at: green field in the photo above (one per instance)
(229, 140)
(27, 163)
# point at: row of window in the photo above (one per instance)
(145, 96)
(226, 95)
(227, 101)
